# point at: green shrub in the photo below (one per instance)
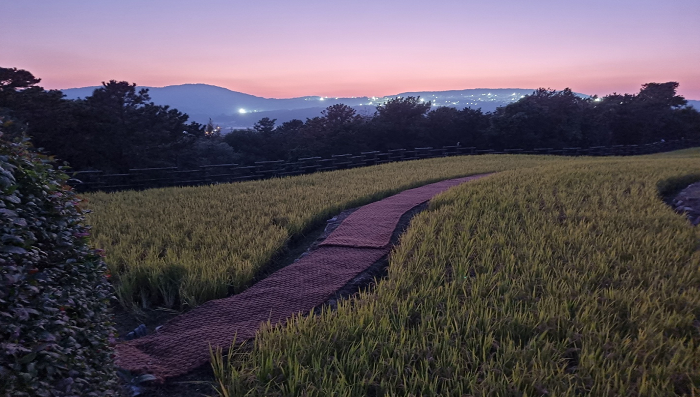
(55, 324)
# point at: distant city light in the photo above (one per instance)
(242, 111)
(321, 98)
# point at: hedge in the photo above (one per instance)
(55, 325)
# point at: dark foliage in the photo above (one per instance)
(547, 118)
(55, 327)
(544, 119)
(114, 129)
(118, 128)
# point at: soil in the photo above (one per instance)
(197, 383)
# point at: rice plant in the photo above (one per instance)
(179, 247)
(565, 279)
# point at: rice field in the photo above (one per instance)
(180, 247)
(565, 279)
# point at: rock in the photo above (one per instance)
(688, 203)
(137, 332)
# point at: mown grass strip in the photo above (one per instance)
(568, 279)
(178, 247)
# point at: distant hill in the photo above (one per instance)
(232, 109)
(202, 101)
(693, 103)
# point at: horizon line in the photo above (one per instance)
(341, 97)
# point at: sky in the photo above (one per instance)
(291, 48)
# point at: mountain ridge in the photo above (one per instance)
(233, 109)
(239, 110)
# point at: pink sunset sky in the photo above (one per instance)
(357, 48)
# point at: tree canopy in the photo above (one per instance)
(114, 129)
(118, 127)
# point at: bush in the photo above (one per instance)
(55, 327)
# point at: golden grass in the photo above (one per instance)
(178, 247)
(567, 279)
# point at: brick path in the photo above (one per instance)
(363, 238)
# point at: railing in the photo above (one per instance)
(145, 178)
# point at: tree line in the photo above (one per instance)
(117, 128)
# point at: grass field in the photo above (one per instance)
(571, 278)
(179, 247)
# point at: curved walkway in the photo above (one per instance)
(363, 238)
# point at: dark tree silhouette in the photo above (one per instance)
(447, 126)
(546, 118)
(400, 123)
(129, 131)
(12, 79)
(118, 127)
(653, 114)
(114, 129)
(265, 126)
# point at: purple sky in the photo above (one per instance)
(341, 48)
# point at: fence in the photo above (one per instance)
(145, 178)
